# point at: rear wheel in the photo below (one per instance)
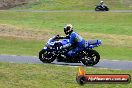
(106, 8)
(91, 58)
(45, 56)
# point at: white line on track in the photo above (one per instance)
(103, 64)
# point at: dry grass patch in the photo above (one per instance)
(6, 4)
(27, 34)
(15, 32)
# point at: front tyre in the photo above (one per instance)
(91, 58)
(45, 56)
(97, 9)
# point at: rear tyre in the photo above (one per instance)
(91, 58)
(45, 56)
(106, 8)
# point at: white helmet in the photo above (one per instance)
(101, 1)
(68, 29)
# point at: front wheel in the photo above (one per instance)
(45, 56)
(91, 58)
(97, 9)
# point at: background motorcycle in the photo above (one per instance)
(52, 51)
(101, 8)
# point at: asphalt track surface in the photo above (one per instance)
(51, 11)
(106, 64)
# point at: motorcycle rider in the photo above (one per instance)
(102, 4)
(75, 40)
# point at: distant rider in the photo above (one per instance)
(75, 40)
(102, 4)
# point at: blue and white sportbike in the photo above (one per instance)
(88, 56)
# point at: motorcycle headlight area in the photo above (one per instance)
(50, 45)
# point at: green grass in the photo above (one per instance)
(50, 76)
(118, 53)
(114, 29)
(107, 23)
(32, 47)
(20, 46)
(76, 5)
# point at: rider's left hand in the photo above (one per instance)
(57, 36)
